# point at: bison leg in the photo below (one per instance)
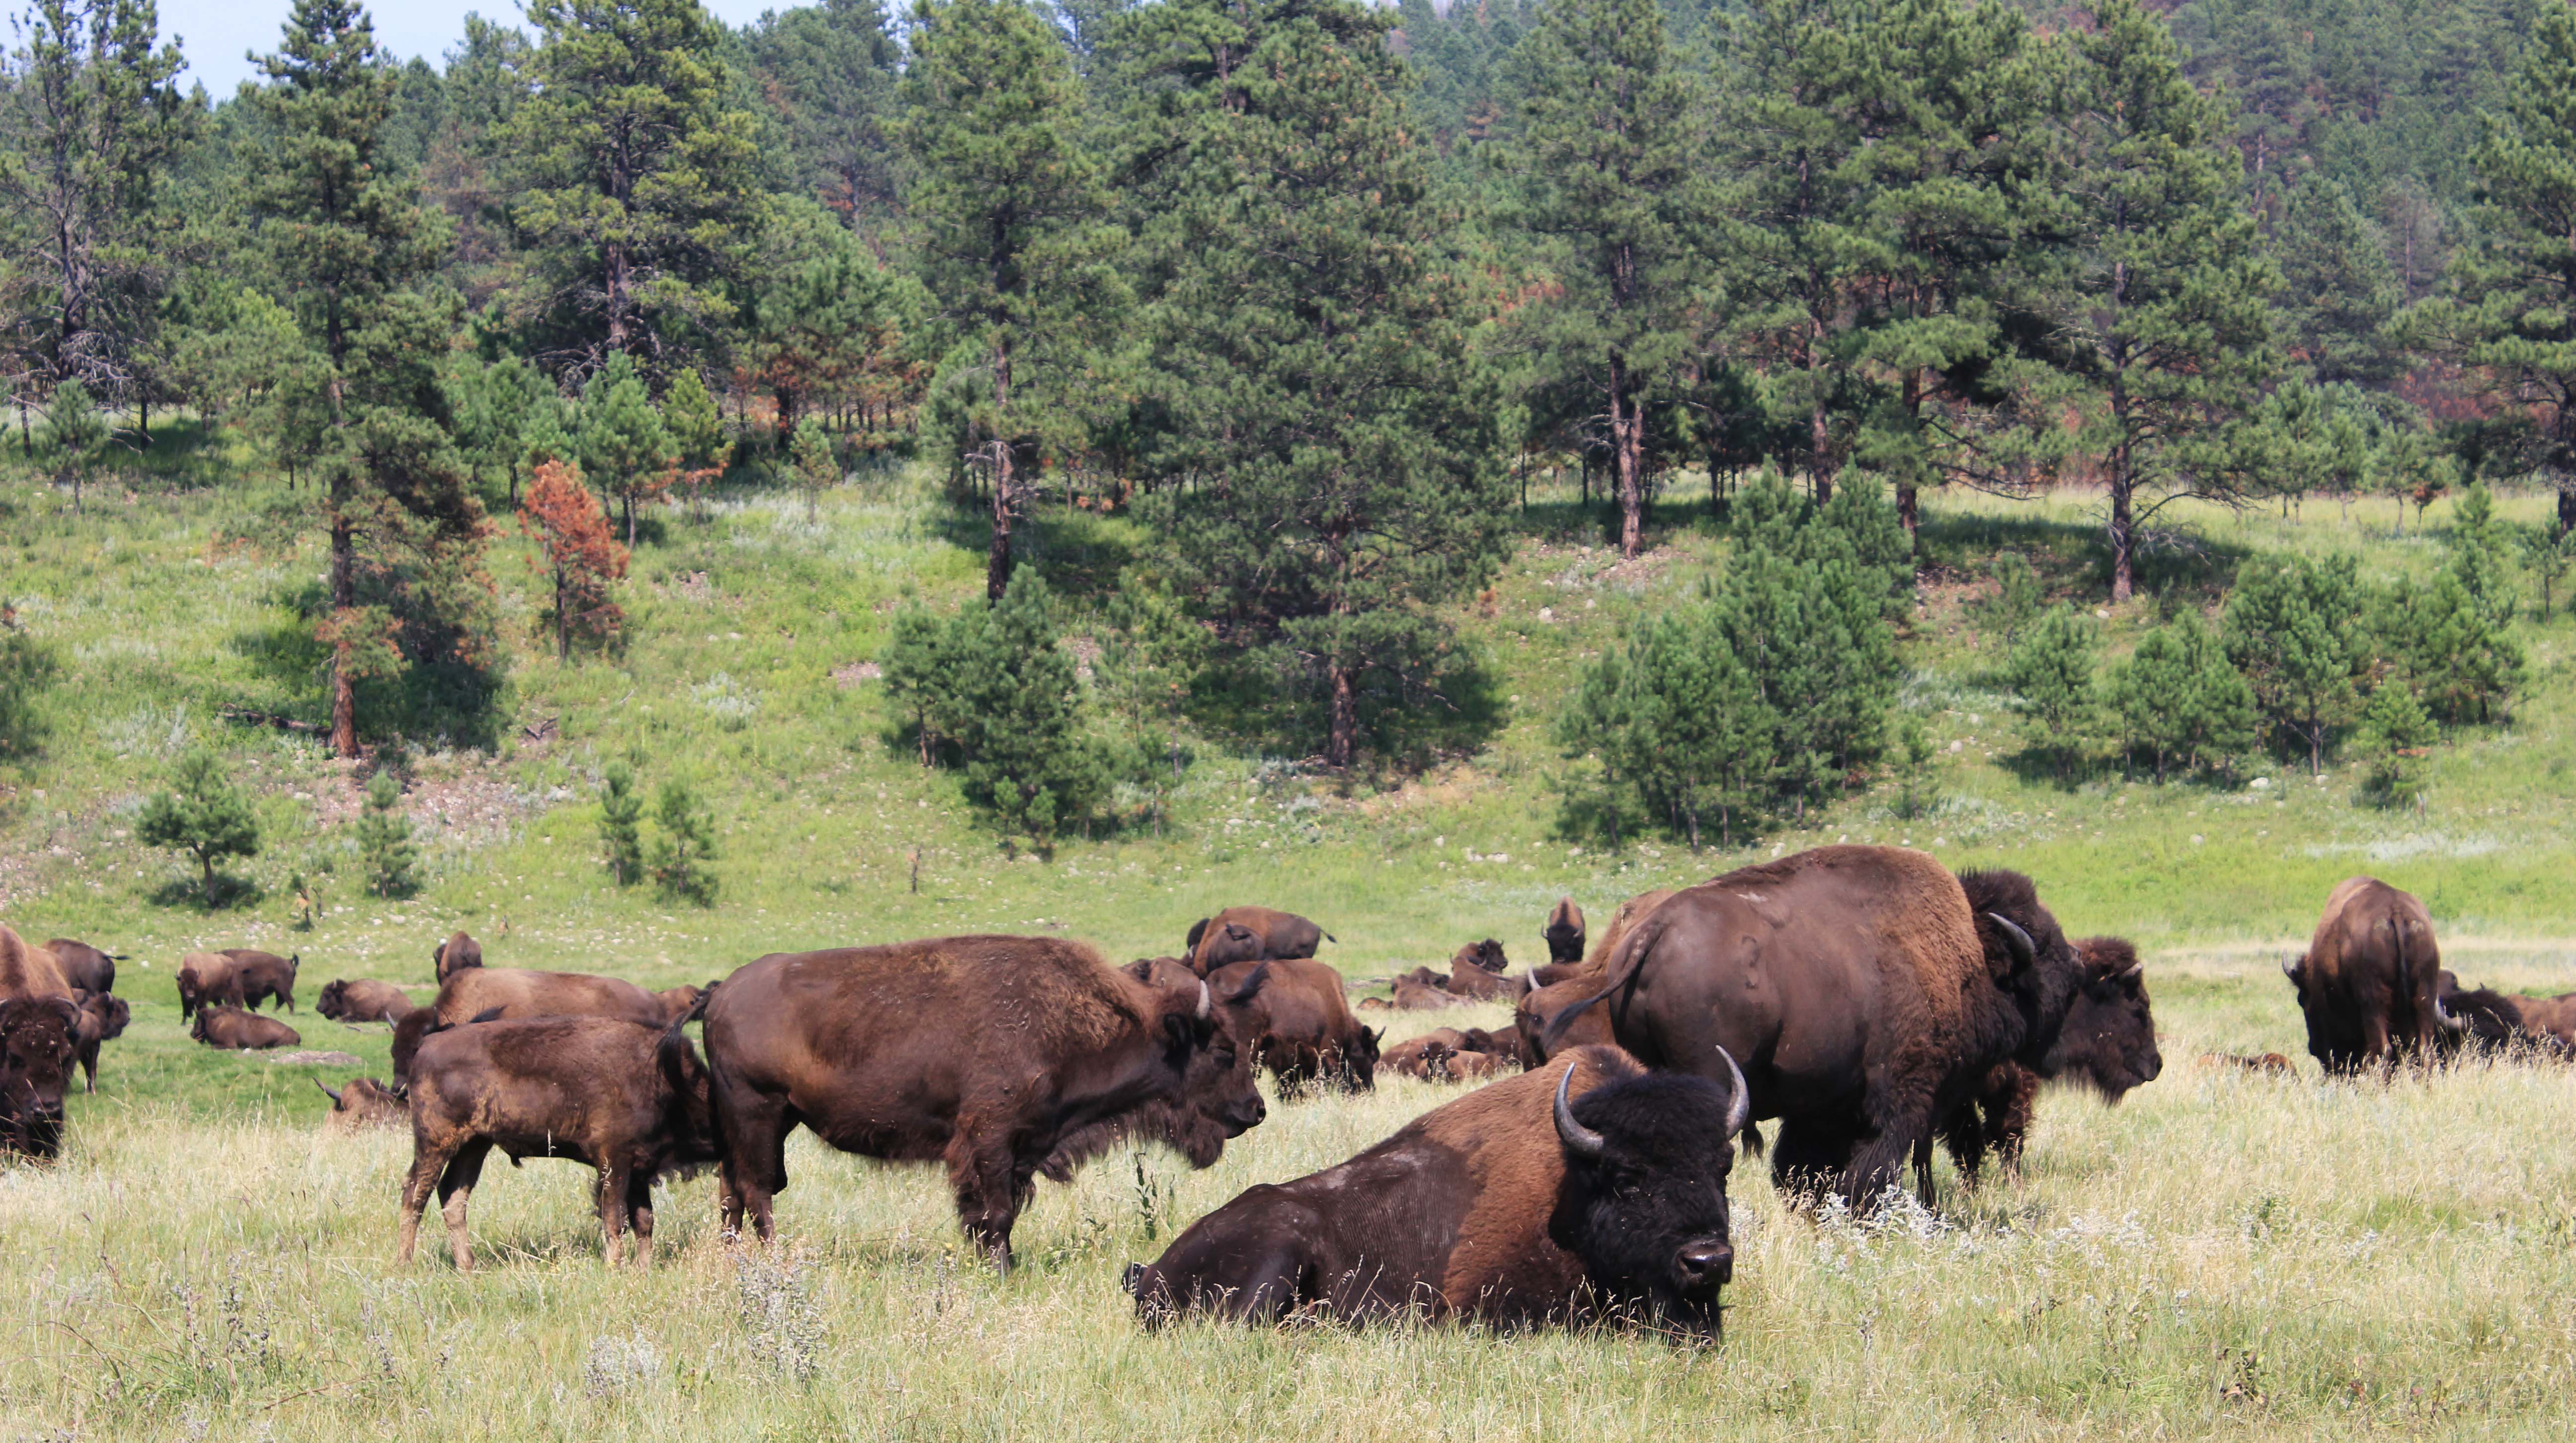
(454, 1188)
(751, 1133)
(426, 1160)
(990, 1185)
(611, 1202)
(89, 1066)
(639, 1215)
(1809, 1158)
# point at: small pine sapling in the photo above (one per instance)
(2396, 739)
(387, 855)
(686, 844)
(621, 824)
(202, 814)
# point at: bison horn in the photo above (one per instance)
(327, 1092)
(2025, 952)
(1578, 1139)
(2290, 968)
(1739, 1103)
(2453, 1023)
(1206, 1002)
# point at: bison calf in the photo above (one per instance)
(1528, 1201)
(103, 1017)
(233, 1029)
(629, 1100)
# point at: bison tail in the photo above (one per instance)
(1751, 1137)
(1329, 937)
(1620, 973)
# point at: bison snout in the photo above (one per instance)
(2155, 1066)
(1245, 1117)
(1705, 1265)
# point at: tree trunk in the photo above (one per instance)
(208, 862)
(2123, 528)
(616, 286)
(626, 503)
(1344, 738)
(1817, 443)
(1628, 446)
(997, 560)
(563, 619)
(2566, 508)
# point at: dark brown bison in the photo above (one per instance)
(1477, 972)
(1590, 1188)
(260, 976)
(85, 967)
(2492, 1019)
(1251, 934)
(985, 1053)
(1448, 1054)
(363, 1103)
(1307, 1033)
(1864, 993)
(2107, 1043)
(1563, 933)
(39, 1038)
(362, 999)
(1589, 1028)
(454, 955)
(630, 1101)
(206, 980)
(233, 1029)
(103, 1018)
(2270, 1063)
(518, 994)
(2367, 980)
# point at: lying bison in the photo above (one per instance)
(1477, 970)
(2107, 1043)
(2495, 1020)
(362, 999)
(986, 1053)
(363, 1103)
(1592, 1188)
(233, 1029)
(454, 955)
(1563, 933)
(2366, 983)
(1864, 993)
(1307, 1033)
(630, 1101)
(1448, 1054)
(1251, 934)
(85, 967)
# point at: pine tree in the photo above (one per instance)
(75, 434)
(2460, 660)
(2289, 629)
(2051, 673)
(816, 467)
(355, 251)
(1311, 342)
(621, 819)
(624, 449)
(920, 673)
(1015, 710)
(632, 174)
(202, 814)
(581, 557)
(830, 69)
(2016, 602)
(2481, 555)
(1607, 173)
(2397, 736)
(695, 427)
(2156, 296)
(683, 845)
(2177, 698)
(92, 124)
(2338, 290)
(2507, 310)
(499, 404)
(387, 855)
(1008, 204)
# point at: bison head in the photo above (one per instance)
(1644, 1205)
(39, 1037)
(1564, 932)
(192, 992)
(334, 1001)
(2109, 1037)
(1487, 954)
(364, 1102)
(103, 1017)
(1359, 1059)
(409, 1029)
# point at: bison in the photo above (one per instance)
(85, 967)
(2553, 1016)
(2367, 981)
(206, 980)
(1306, 1030)
(362, 1103)
(39, 1038)
(454, 955)
(1563, 933)
(1591, 1188)
(678, 1002)
(233, 1029)
(1251, 934)
(986, 1053)
(1865, 994)
(2492, 1019)
(1477, 972)
(1447, 1054)
(362, 999)
(1415, 996)
(260, 976)
(1530, 1017)
(629, 1100)
(103, 1018)
(517, 994)
(2107, 1042)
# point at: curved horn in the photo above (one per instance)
(327, 1092)
(2136, 969)
(1739, 1104)
(2290, 967)
(2025, 951)
(1578, 1139)
(2455, 1024)
(1207, 1003)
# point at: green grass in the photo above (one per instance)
(2222, 1254)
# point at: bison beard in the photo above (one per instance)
(39, 1037)
(1515, 1205)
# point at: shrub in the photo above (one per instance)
(202, 814)
(2289, 630)
(387, 855)
(2051, 672)
(2396, 737)
(621, 824)
(687, 842)
(2178, 700)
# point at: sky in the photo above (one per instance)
(217, 34)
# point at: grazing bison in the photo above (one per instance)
(1563, 932)
(103, 1018)
(364, 1103)
(206, 980)
(986, 1053)
(2107, 1042)
(2367, 981)
(1865, 993)
(260, 976)
(454, 955)
(85, 967)
(234, 1029)
(362, 999)
(516, 994)
(1251, 934)
(629, 1100)
(1306, 1030)
(1590, 1188)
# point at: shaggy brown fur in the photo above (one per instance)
(362, 999)
(1306, 1032)
(103, 1018)
(28, 971)
(85, 967)
(1446, 1054)
(518, 995)
(206, 980)
(39, 1037)
(1251, 934)
(1563, 933)
(454, 955)
(1412, 996)
(261, 976)
(2368, 979)
(233, 1030)
(363, 1103)
(631, 1101)
(1477, 971)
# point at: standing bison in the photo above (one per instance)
(85, 967)
(454, 955)
(986, 1053)
(1306, 1033)
(206, 980)
(1251, 934)
(1865, 993)
(631, 1101)
(103, 1018)
(1591, 1188)
(2368, 981)
(260, 976)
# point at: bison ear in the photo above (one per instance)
(1251, 986)
(1142, 969)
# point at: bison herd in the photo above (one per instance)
(1866, 1002)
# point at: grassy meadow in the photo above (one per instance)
(2224, 1254)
